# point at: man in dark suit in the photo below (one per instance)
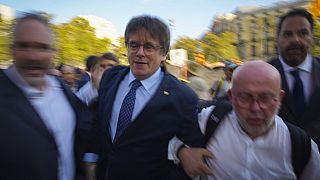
(90, 60)
(38, 112)
(142, 107)
(302, 101)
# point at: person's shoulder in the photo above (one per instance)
(113, 72)
(116, 69)
(1, 73)
(174, 82)
(179, 86)
(3, 76)
(273, 60)
(316, 60)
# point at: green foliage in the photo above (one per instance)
(121, 51)
(316, 33)
(76, 40)
(5, 52)
(189, 44)
(217, 48)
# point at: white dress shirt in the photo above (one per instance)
(237, 156)
(305, 72)
(56, 113)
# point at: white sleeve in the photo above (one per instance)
(175, 143)
(312, 168)
(87, 93)
(203, 117)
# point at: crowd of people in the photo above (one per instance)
(140, 122)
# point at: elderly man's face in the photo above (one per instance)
(144, 53)
(295, 40)
(32, 51)
(256, 100)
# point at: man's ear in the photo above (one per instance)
(164, 57)
(282, 94)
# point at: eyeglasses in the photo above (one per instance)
(148, 47)
(24, 46)
(264, 100)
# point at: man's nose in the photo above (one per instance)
(296, 38)
(255, 106)
(32, 54)
(140, 51)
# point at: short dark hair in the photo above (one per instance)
(156, 27)
(110, 56)
(90, 61)
(31, 16)
(296, 12)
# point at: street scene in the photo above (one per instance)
(160, 90)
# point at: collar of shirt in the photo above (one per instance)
(306, 65)
(16, 78)
(146, 83)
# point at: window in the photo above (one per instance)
(253, 50)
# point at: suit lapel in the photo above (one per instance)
(15, 98)
(315, 96)
(107, 99)
(288, 99)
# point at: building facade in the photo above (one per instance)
(6, 13)
(256, 28)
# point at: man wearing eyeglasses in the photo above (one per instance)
(141, 107)
(251, 142)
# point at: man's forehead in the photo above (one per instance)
(29, 30)
(295, 21)
(142, 35)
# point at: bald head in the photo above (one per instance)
(256, 96)
(257, 70)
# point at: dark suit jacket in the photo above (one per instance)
(141, 151)
(310, 120)
(28, 150)
(84, 79)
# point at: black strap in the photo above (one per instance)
(300, 140)
(301, 148)
(220, 110)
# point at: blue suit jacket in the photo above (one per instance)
(28, 149)
(141, 151)
(310, 120)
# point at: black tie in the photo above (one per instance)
(298, 93)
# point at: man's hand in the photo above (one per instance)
(193, 161)
(90, 170)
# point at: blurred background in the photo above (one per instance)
(205, 31)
